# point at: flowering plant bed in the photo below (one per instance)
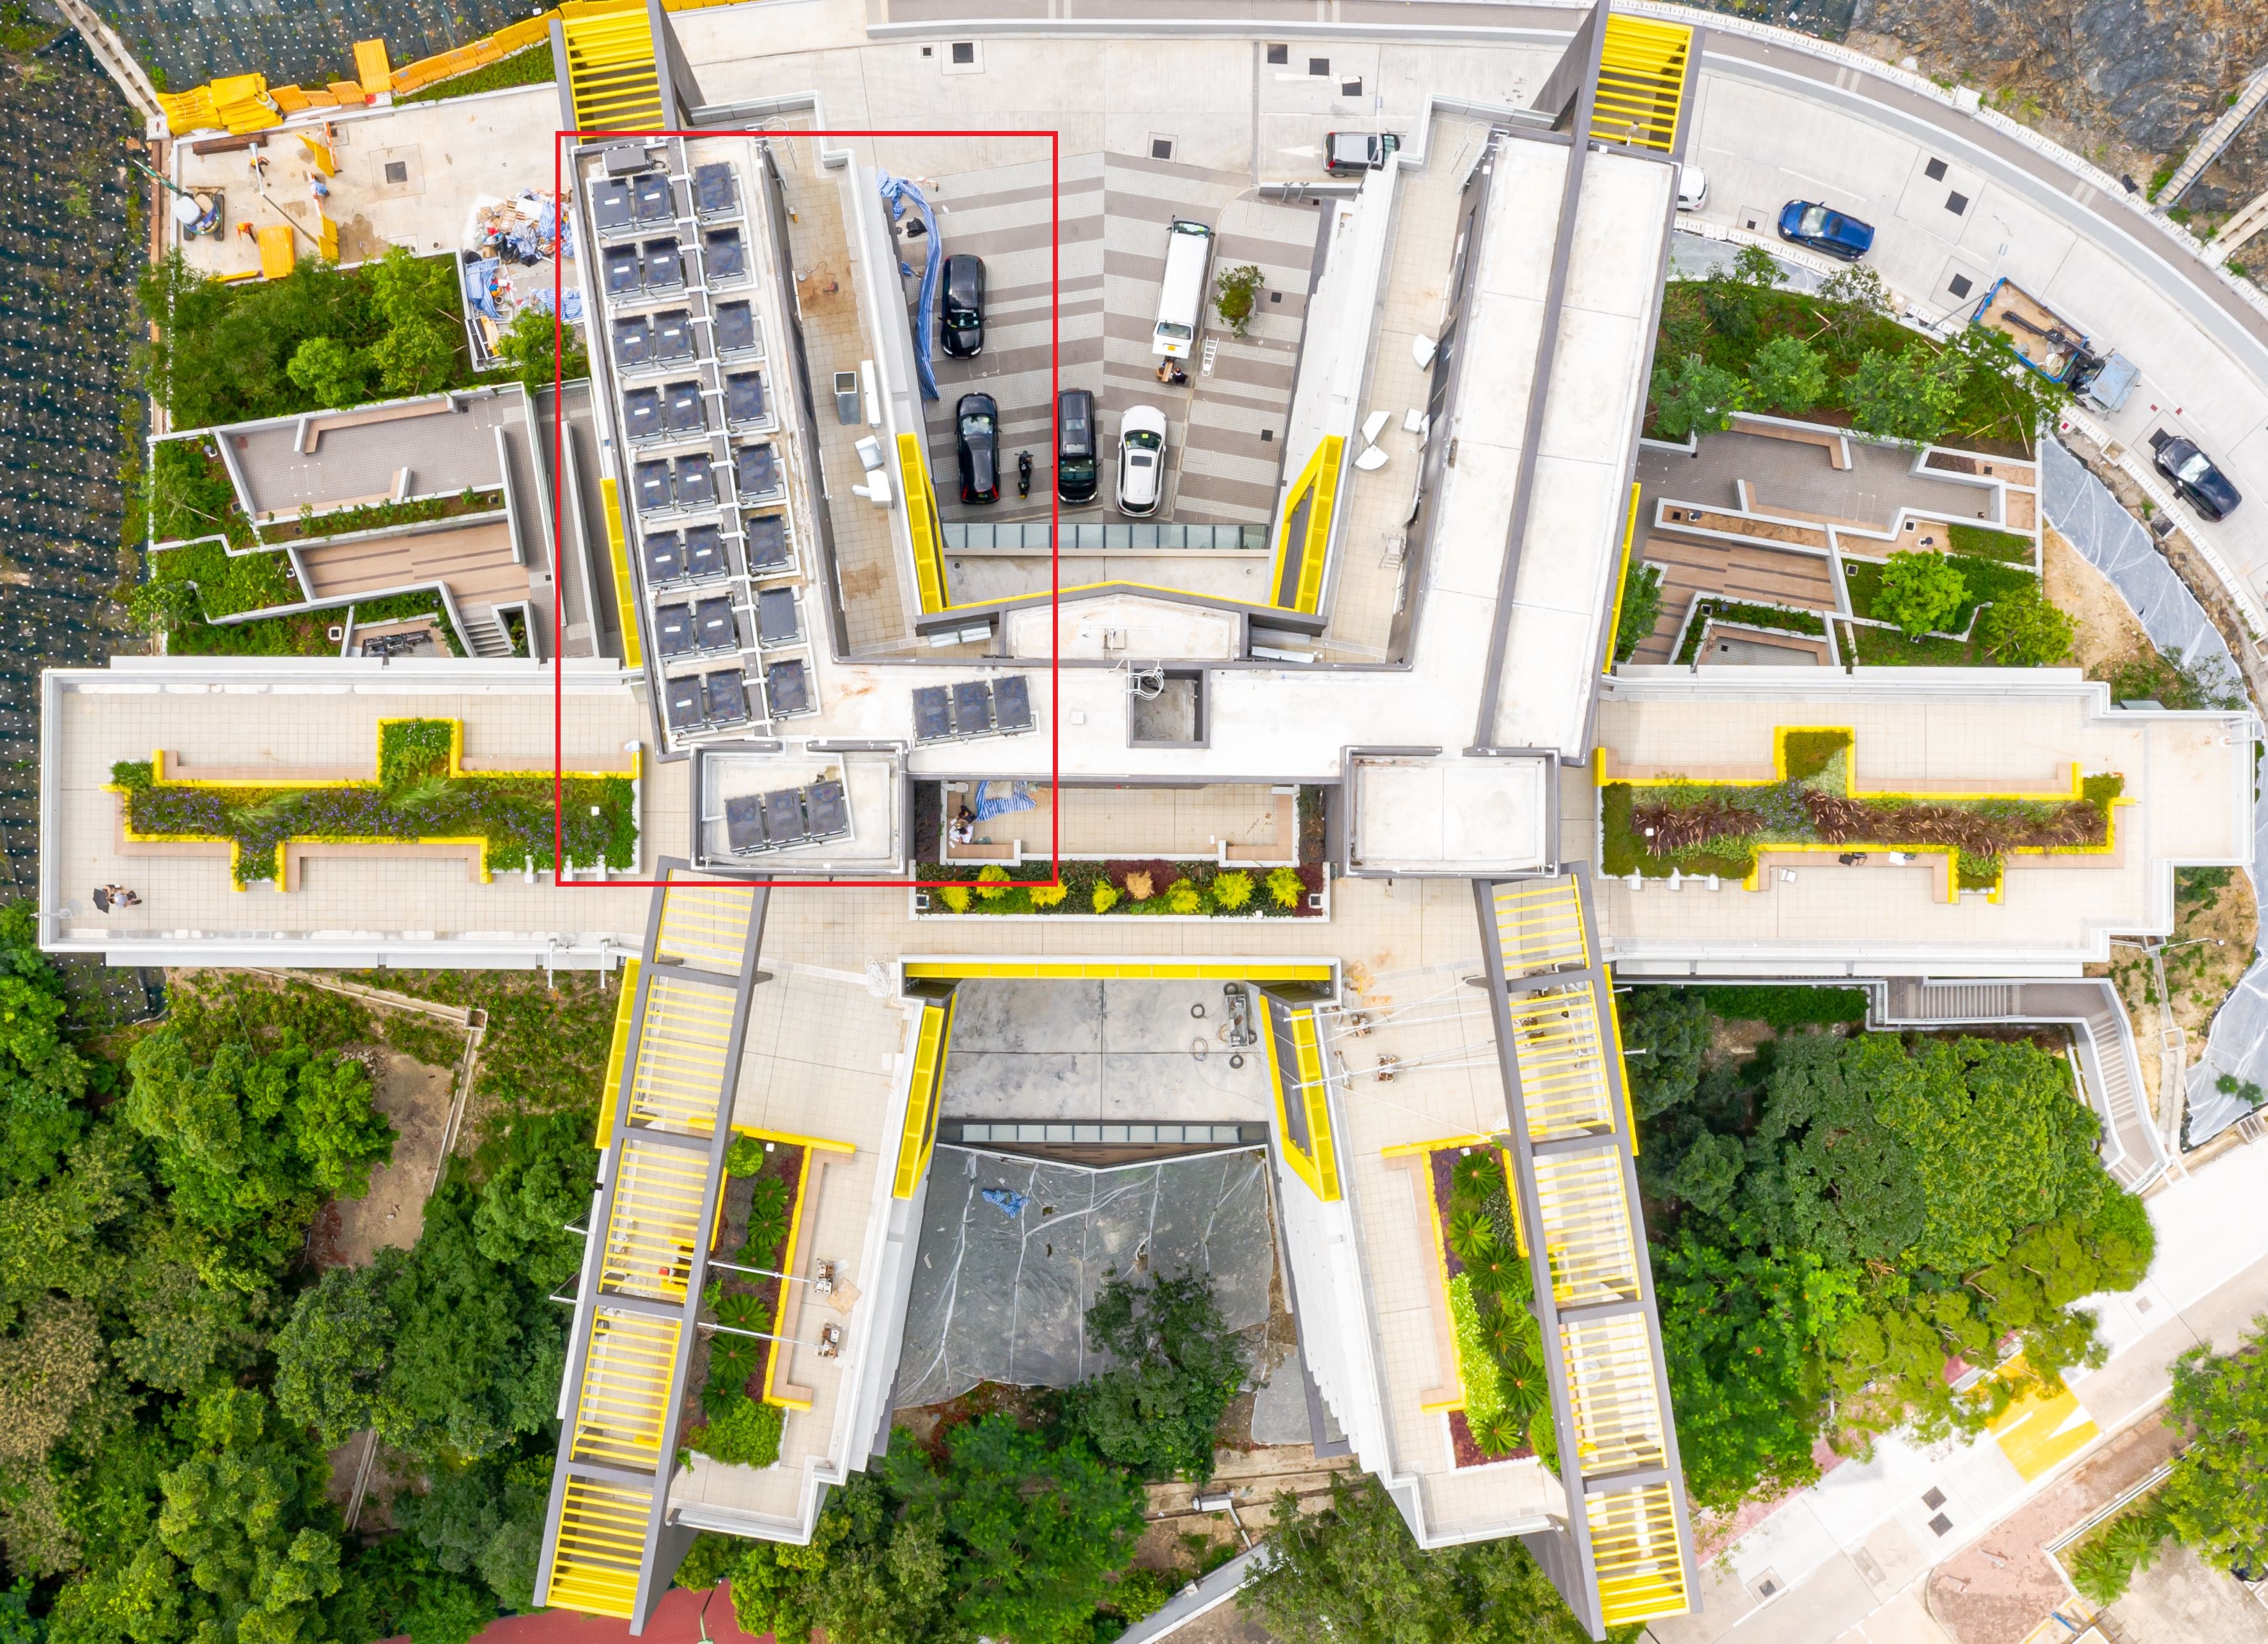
(1658, 825)
(1506, 1413)
(422, 795)
(1089, 888)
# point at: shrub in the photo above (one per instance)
(992, 882)
(954, 897)
(1048, 896)
(1106, 896)
(746, 1434)
(1139, 886)
(1696, 398)
(2021, 630)
(1286, 887)
(1233, 890)
(1919, 593)
(744, 1157)
(1641, 609)
(1788, 375)
(1182, 897)
(530, 66)
(1239, 286)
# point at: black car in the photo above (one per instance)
(963, 324)
(978, 442)
(2204, 486)
(1076, 473)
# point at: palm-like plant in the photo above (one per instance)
(1499, 1433)
(1470, 1235)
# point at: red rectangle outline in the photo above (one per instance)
(1054, 520)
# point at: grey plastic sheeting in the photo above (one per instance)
(2117, 544)
(1002, 1298)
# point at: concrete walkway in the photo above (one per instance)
(1849, 1552)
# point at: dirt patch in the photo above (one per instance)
(1998, 1590)
(2108, 633)
(2130, 973)
(1736, 1040)
(417, 1098)
(2218, 928)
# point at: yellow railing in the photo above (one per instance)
(1641, 86)
(1113, 970)
(921, 520)
(704, 926)
(617, 1051)
(1622, 581)
(612, 77)
(1635, 1552)
(602, 1530)
(932, 1042)
(625, 1392)
(1540, 926)
(610, 495)
(1562, 1058)
(1302, 1082)
(1318, 486)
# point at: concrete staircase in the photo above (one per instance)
(485, 634)
(2216, 137)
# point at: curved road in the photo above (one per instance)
(1956, 196)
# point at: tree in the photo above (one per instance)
(539, 1180)
(2217, 1499)
(1736, 1334)
(1911, 395)
(1919, 592)
(1005, 1537)
(1665, 1033)
(418, 356)
(2002, 389)
(48, 1368)
(1788, 375)
(331, 1354)
(486, 1519)
(1825, 1175)
(1177, 1368)
(1697, 398)
(1706, 1173)
(1858, 286)
(2021, 630)
(333, 373)
(1733, 295)
(541, 348)
(1238, 287)
(1352, 1573)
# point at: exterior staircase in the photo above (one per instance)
(485, 634)
(2216, 137)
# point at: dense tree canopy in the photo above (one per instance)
(1836, 1218)
(2217, 1499)
(1353, 1573)
(1175, 1368)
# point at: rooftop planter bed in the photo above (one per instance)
(309, 526)
(422, 795)
(1089, 889)
(1781, 619)
(1506, 1411)
(1658, 825)
(308, 633)
(1987, 580)
(726, 1421)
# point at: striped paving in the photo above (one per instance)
(1223, 432)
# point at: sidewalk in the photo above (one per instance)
(1830, 1564)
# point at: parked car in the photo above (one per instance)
(1141, 459)
(976, 441)
(1076, 471)
(1693, 188)
(1807, 222)
(2205, 487)
(1348, 153)
(962, 323)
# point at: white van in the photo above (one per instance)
(1181, 297)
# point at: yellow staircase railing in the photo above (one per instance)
(670, 1081)
(612, 77)
(1566, 1048)
(932, 1040)
(1641, 89)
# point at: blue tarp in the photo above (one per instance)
(897, 193)
(1000, 798)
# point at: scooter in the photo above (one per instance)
(1023, 473)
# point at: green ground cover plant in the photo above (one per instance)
(1980, 580)
(1718, 827)
(1838, 1215)
(1785, 618)
(1980, 542)
(532, 67)
(415, 797)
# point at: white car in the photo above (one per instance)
(1693, 188)
(1141, 459)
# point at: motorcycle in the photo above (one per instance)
(1023, 473)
